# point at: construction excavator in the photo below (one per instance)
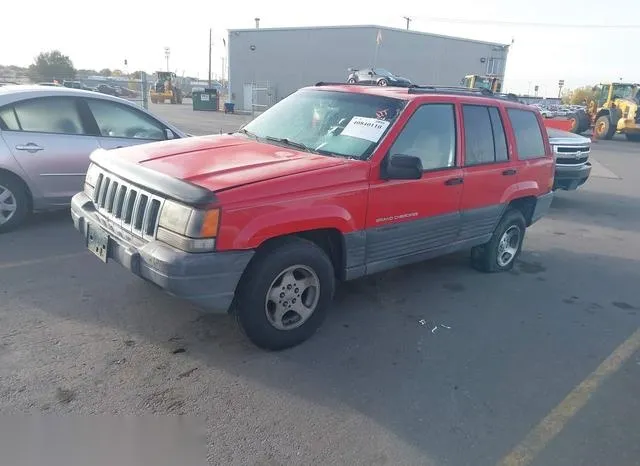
(475, 81)
(165, 88)
(614, 109)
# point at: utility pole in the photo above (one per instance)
(167, 52)
(408, 19)
(257, 23)
(209, 58)
(222, 70)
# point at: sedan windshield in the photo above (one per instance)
(327, 122)
(383, 72)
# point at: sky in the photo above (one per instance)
(552, 40)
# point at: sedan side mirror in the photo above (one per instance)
(402, 167)
(169, 134)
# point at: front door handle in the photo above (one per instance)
(453, 181)
(509, 172)
(29, 147)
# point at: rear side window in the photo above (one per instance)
(8, 120)
(485, 140)
(49, 115)
(527, 132)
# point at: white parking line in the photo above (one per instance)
(42, 260)
(600, 171)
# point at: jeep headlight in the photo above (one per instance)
(90, 180)
(187, 228)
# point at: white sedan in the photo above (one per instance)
(46, 136)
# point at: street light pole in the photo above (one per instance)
(408, 19)
(209, 58)
(167, 52)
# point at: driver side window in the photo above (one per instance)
(430, 135)
(117, 121)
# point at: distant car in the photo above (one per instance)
(47, 135)
(378, 76)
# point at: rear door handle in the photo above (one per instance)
(453, 181)
(509, 172)
(29, 147)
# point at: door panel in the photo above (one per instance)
(51, 145)
(407, 219)
(488, 173)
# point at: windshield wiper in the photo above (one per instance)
(297, 145)
(248, 133)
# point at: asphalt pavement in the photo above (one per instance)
(430, 364)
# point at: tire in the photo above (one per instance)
(383, 82)
(634, 137)
(604, 129)
(487, 258)
(351, 81)
(15, 204)
(575, 123)
(267, 323)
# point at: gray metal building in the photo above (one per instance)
(266, 65)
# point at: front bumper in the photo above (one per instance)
(570, 177)
(208, 280)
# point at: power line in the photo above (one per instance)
(531, 24)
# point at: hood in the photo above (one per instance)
(221, 162)
(558, 136)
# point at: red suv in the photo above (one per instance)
(333, 183)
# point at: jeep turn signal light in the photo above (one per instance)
(210, 223)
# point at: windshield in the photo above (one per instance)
(383, 72)
(328, 122)
(624, 91)
(483, 83)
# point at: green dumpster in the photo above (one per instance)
(206, 99)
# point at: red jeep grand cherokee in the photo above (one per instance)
(333, 183)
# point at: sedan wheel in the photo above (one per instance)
(14, 203)
(8, 205)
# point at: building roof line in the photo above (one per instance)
(371, 26)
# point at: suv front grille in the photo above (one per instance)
(572, 155)
(133, 209)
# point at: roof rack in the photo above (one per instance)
(416, 89)
(328, 83)
(431, 89)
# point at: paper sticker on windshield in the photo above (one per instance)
(370, 129)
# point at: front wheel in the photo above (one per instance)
(604, 129)
(285, 293)
(501, 252)
(383, 82)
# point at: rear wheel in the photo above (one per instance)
(501, 252)
(14, 203)
(383, 82)
(604, 129)
(583, 121)
(285, 293)
(351, 81)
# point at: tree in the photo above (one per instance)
(137, 74)
(579, 95)
(116, 73)
(105, 72)
(52, 65)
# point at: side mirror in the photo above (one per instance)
(169, 134)
(370, 73)
(402, 167)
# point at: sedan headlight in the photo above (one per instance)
(188, 229)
